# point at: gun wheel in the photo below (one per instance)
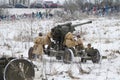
(19, 69)
(67, 58)
(30, 54)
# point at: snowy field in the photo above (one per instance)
(29, 11)
(16, 37)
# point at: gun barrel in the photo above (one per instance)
(82, 23)
(65, 24)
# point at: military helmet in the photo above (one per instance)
(40, 34)
(78, 36)
(89, 44)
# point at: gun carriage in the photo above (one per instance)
(12, 68)
(62, 52)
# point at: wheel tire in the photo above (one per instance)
(67, 57)
(1, 73)
(96, 58)
(19, 69)
(30, 54)
(73, 50)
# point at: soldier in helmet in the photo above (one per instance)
(93, 53)
(89, 50)
(38, 46)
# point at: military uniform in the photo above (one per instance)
(90, 50)
(80, 44)
(69, 40)
(47, 38)
(38, 45)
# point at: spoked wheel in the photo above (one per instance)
(96, 58)
(19, 69)
(30, 54)
(67, 57)
(3, 62)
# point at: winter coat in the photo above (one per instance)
(80, 43)
(38, 45)
(47, 38)
(69, 40)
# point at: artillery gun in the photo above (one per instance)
(59, 32)
(12, 68)
(57, 48)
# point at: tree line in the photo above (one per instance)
(80, 5)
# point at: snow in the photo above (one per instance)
(102, 33)
(29, 11)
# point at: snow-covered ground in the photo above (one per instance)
(29, 11)
(16, 37)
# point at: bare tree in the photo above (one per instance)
(24, 1)
(20, 1)
(79, 4)
(9, 2)
(70, 6)
(3, 12)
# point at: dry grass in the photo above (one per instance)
(108, 41)
(23, 38)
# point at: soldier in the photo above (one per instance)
(69, 40)
(48, 42)
(48, 38)
(93, 53)
(89, 50)
(80, 45)
(38, 46)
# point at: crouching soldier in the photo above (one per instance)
(38, 46)
(93, 53)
